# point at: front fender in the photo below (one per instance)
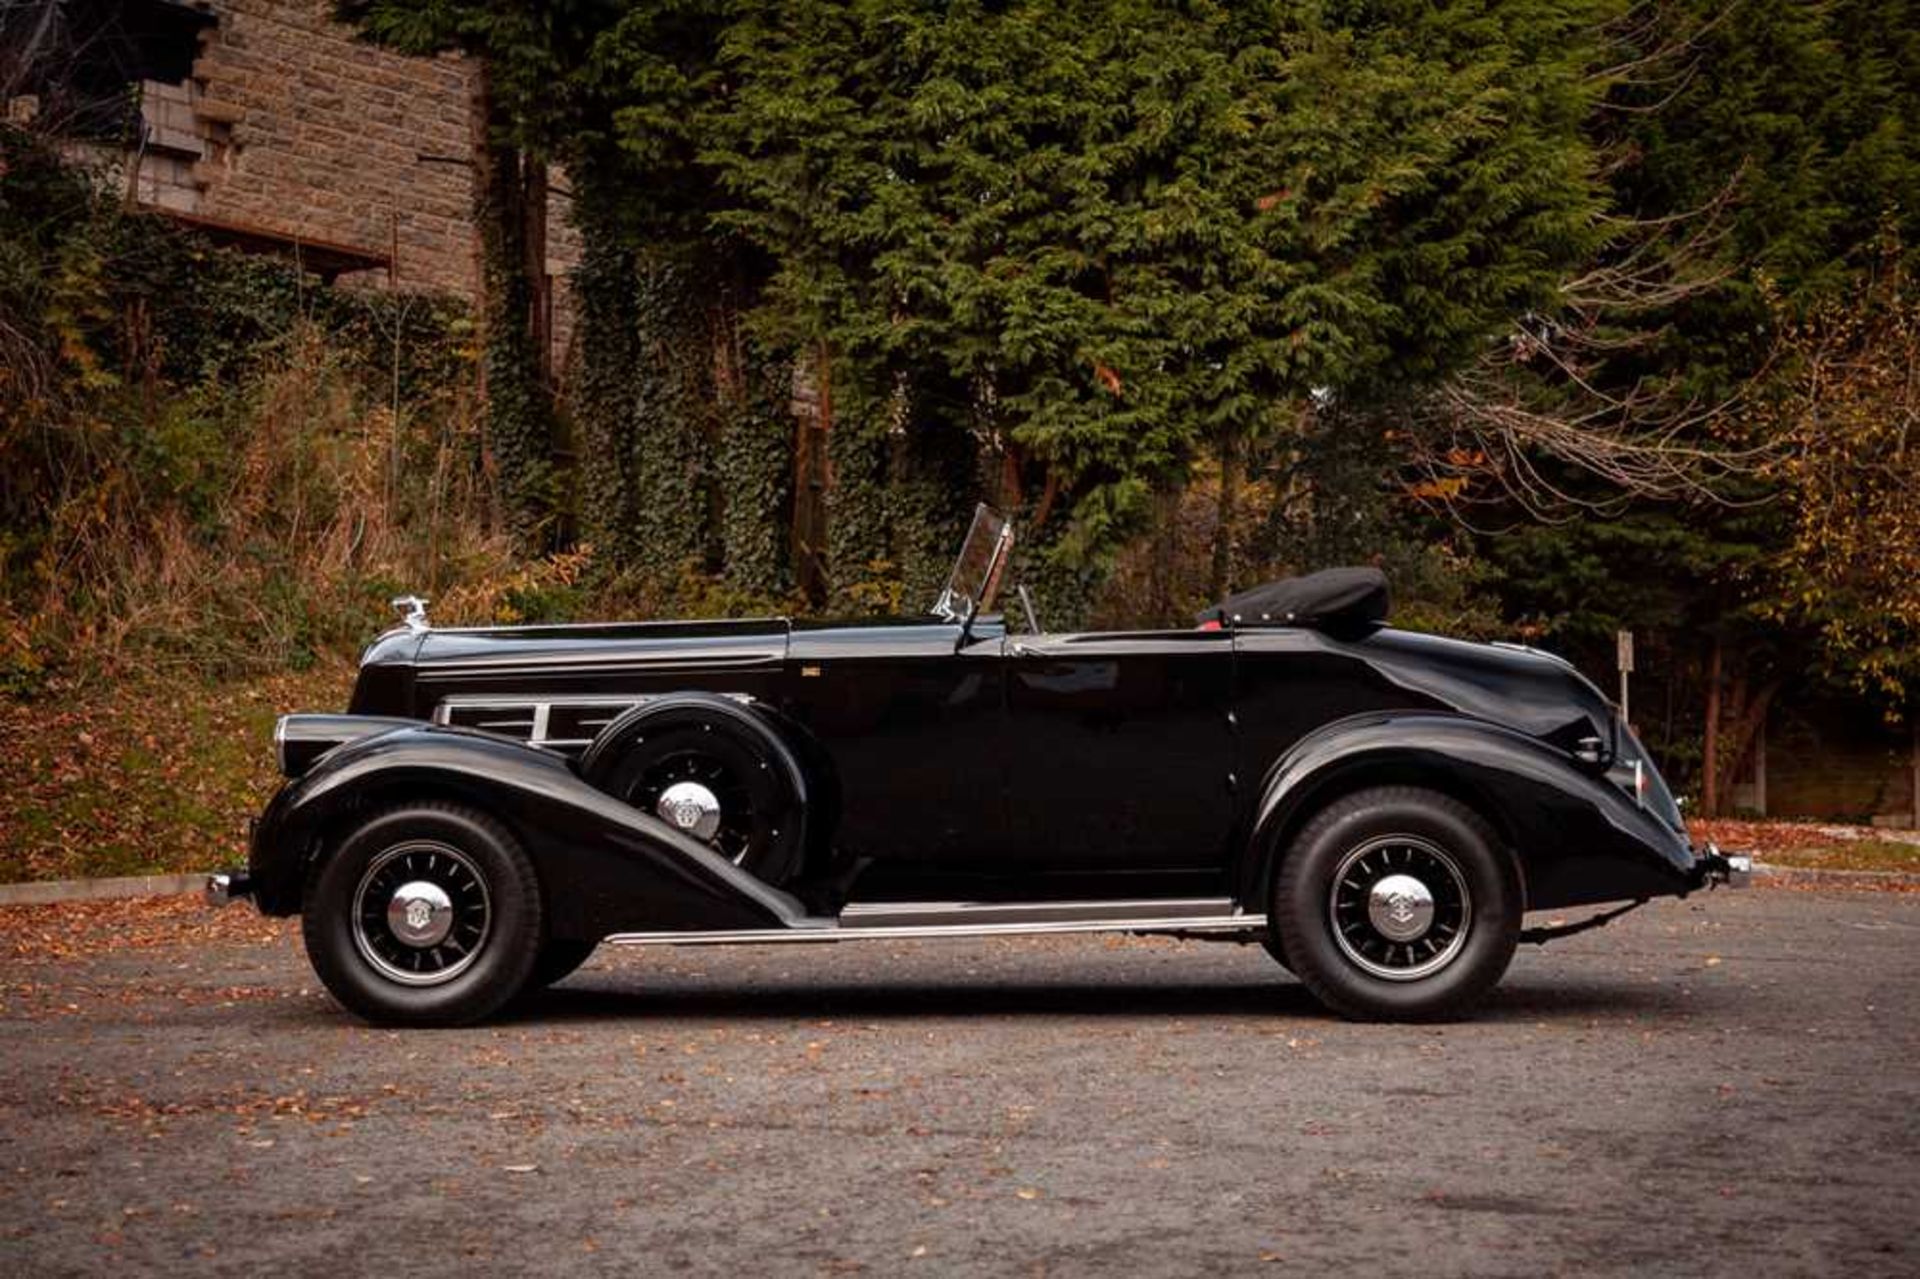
(604, 866)
(1578, 838)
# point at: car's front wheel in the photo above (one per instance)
(424, 915)
(1397, 904)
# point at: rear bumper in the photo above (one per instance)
(1713, 868)
(227, 887)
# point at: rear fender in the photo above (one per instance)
(604, 866)
(1578, 839)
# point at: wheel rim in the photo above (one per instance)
(1399, 908)
(421, 913)
(703, 795)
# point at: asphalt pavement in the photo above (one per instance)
(1728, 1085)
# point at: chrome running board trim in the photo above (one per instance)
(827, 930)
(920, 914)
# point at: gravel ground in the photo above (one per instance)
(1720, 1086)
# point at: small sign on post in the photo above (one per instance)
(1623, 658)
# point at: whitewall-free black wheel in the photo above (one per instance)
(424, 915)
(1396, 904)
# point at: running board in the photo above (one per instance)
(897, 921)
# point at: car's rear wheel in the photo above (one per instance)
(424, 915)
(1397, 904)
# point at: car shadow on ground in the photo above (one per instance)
(594, 997)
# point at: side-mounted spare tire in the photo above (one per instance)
(713, 768)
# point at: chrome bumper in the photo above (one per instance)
(223, 889)
(1714, 868)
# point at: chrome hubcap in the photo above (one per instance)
(1399, 908)
(690, 808)
(421, 913)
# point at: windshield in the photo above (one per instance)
(976, 574)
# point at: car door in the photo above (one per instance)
(1119, 752)
(909, 716)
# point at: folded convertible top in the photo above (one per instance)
(1335, 600)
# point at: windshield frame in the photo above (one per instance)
(989, 543)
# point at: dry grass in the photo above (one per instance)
(1817, 845)
(144, 776)
(275, 545)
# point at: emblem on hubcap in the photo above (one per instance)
(692, 808)
(420, 913)
(1400, 908)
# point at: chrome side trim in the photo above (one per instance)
(827, 931)
(904, 914)
(539, 710)
(634, 663)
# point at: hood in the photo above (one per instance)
(393, 666)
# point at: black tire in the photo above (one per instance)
(741, 765)
(557, 961)
(493, 917)
(1350, 936)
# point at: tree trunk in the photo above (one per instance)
(533, 213)
(1163, 556)
(519, 407)
(1220, 580)
(811, 480)
(1710, 745)
(1747, 720)
(606, 382)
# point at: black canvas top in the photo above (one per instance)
(1334, 600)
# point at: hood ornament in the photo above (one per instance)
(413, 613)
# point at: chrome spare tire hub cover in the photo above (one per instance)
(422, 913)
(1399, 908)
(690, 808)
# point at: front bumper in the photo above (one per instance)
(228, 887)
(1713, 868)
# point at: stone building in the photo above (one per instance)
(269, 127)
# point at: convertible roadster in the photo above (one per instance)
(1379, 808)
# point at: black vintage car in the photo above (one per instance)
(1379, 808)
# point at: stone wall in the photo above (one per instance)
(292, 129)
